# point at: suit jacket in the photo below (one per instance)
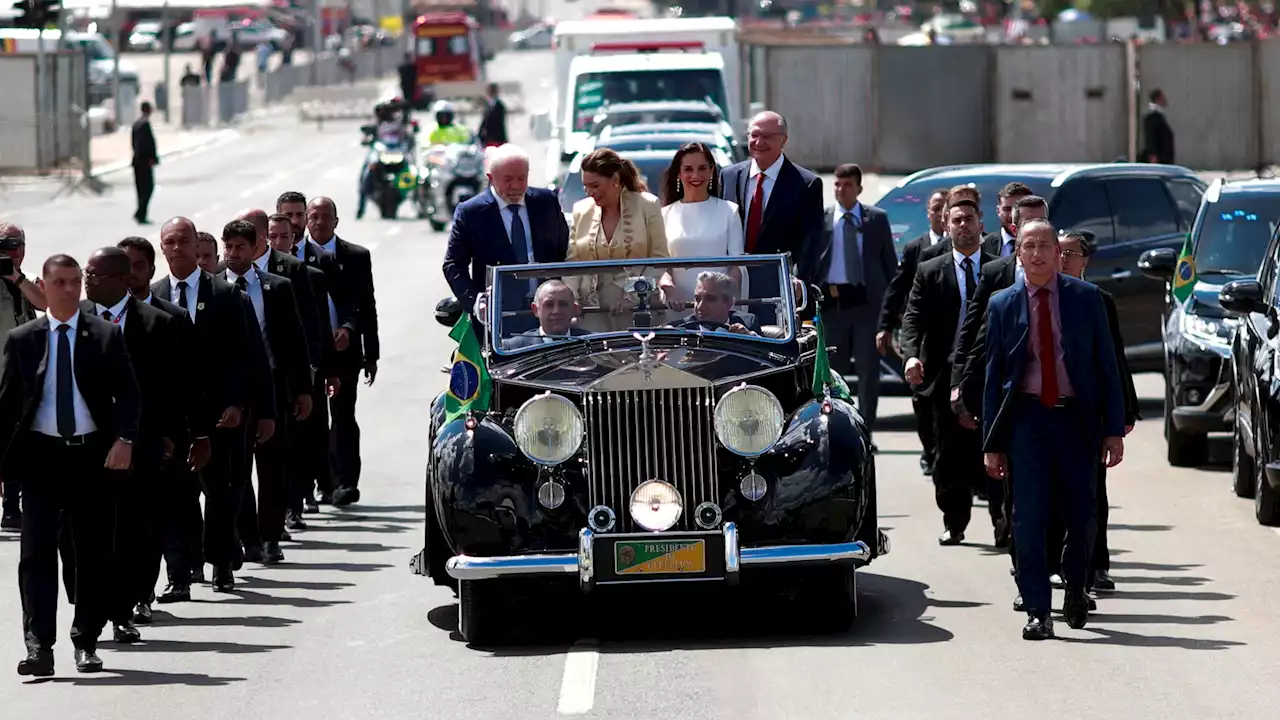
(151, 336)
(895, 296)
(931, 319)
(792, 219)
(530, 338)
(103, 373)
(355, 278)
(286, 338)
(747, 320)
(313, 309)
(641, 233)
(1088, 351)
(879, 259)
(967, 372)
(1157, 137)
(219, 335)
(493, 128)
(479, 240)
(184, 335)
(937, 249)
(317, 257)
(992, 243)
(144, 144)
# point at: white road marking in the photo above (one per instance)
(1277, 530)
(393, 231)
(578, 688)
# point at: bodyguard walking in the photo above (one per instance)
(145, 159)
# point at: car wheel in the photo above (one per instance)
(1242, 464)
(1266, 500)
(390, 205)
(1182, 449)
(837, 597)
(483, 618)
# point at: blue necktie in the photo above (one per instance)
(520, 246)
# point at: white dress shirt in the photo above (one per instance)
(838, 274)
(263, 260)
(1006, 243)
(523, 212)
(46, 419)
(770, 179)
(193, 291)
(958, 257)
(934, 238)
(117, 311)
(254, 289)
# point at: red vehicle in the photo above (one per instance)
(446, 51)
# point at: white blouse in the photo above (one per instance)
(708, 228)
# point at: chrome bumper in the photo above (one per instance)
(464, 567)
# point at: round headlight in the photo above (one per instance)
(749, 420)
(656, 505)
(548, 429)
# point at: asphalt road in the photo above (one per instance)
(343, 630)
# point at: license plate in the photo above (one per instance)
(660, 557)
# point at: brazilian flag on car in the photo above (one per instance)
(468, 379)
(1184, 273)
(824, 380)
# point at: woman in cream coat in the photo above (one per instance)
(617, 220)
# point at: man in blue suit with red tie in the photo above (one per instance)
(1052, 398)
(510, 224)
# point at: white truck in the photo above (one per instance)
(631, 61)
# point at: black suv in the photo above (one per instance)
(1228, 241)
(1129, 207)
(1255, 376)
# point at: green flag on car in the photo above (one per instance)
(469, 382)
(824, 380)
(1184, 273)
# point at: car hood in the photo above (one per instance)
(621, 369)
(1204, 297)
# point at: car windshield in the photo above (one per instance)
(651, 168)
(906, 205)
(659, 142)
(97, 48)
(633, 86)
(639, 117)
(580, 300)
(1234, 233)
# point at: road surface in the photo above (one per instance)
(343, 630)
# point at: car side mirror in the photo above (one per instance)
(1242, 297)
(1158, 264)
(448, 312)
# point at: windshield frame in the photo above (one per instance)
(1202, 228)
(532, 271)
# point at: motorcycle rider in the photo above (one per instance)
(390, 130)
(446, 132)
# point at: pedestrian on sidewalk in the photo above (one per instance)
(493, 127)
(145, 158)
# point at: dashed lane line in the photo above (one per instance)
(578, 687)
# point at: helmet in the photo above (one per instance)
(444, 112)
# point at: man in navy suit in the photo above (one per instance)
(780, 203)
(1053, 397)
(511, 224)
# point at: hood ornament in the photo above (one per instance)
(646, 353)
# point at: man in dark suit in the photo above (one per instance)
(69, 409)
(289, 374)
(182, 527)
(714, 296)
(895, 302)
(959, 192)
(221, 317)
(145, 159)
(555, 307)
(1049, 405)
(493, 127)
(856, 262)
(941, 291)
(269, 260)
(1000, 242)
(152, 342)
(780, 203)
(1157, 135)
(511, 224)
(356, 351)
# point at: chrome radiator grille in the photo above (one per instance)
(639, 435)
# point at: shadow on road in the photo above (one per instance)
(252, 621)
(184, 646)
(1116, 637)
(239, 596)
(140, 678)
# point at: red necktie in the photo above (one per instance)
(1048, 358)
(755, 216)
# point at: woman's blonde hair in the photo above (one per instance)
(607, 163)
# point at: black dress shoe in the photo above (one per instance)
(1002, 533)
(1019, 605)
(345, 496)
(142, 614)
(38, 663)
(324, 497)
(175, 593)
(126, 633)
(1093, 602)
(272, 554)
(252, 553)
(223, 580)
(1056, 581)
(197, 576)
(285, 536)
(1075, 607)
(309, 504)
(926, 464)
(87, 660)
(294, 521)
(1038, 627)
(950, 538)
(1102, 580)
(11, 521)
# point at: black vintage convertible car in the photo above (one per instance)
(627, 440)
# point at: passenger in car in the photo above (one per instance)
(555, 306)
(713, 300)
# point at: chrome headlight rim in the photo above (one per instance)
(522, 416)
(670, 487)
(770, 398)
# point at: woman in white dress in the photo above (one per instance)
(699, 223)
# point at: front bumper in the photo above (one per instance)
(582, 563)
(1216, 413)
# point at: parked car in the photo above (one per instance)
(1255, 377)
(647, 449)
(534, 37)
(661, 141)
(666, 111)
(1230, 236)
(1129, 207)
(737, 150)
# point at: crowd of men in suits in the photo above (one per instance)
(119, 410)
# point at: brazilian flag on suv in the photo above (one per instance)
(1184, 273)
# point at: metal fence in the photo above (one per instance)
(41, 130)
(899, 109)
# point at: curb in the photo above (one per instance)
(218, 136)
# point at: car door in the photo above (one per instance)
(1145, 217)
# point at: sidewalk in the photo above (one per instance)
(114, 150)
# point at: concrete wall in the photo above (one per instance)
(32, 139)
(828, 96)
(18, 146)
(932, 106)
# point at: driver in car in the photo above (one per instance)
(555, 306)
(713, 298)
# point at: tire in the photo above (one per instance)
(389, 205)
(1242, 464)
(1182, 449)
(837, 598)
(483, 616)
(1266, 499)
(436, 225)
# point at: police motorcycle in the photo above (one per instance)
(454, 168)
(390, 174)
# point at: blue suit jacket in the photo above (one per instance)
(1088, 351)
(479, 239)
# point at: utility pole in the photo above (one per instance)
(115, 66)
(168, 56)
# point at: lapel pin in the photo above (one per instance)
(311, 258)
(199, 306)
(266, 286)
(84, 333)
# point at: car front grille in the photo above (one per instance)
(639, 435)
